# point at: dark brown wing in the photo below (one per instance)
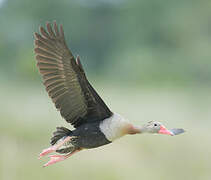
(65, 80)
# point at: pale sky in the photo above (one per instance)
(1, 1)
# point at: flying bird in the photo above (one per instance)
(78, 102)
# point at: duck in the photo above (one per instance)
(79, 104)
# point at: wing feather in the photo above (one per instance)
(65, 80)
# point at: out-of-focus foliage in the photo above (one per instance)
(158, 41)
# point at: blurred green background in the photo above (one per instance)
(149, 60)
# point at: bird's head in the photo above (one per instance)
(157, 127)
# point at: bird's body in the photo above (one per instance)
(92, 135)
(78, 102)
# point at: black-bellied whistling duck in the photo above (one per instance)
(78, 102)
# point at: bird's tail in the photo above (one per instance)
(60, 134)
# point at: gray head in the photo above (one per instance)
(157, 127)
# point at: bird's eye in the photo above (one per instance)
(155, 124)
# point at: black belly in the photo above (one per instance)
(89, 136)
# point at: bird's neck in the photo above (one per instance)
(115, 127)
(133, 129)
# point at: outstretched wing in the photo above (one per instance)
(65, 80)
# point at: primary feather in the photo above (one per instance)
(65, 79)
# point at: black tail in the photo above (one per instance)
(59, 134)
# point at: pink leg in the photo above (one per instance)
(57, 158)
(54, 147)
